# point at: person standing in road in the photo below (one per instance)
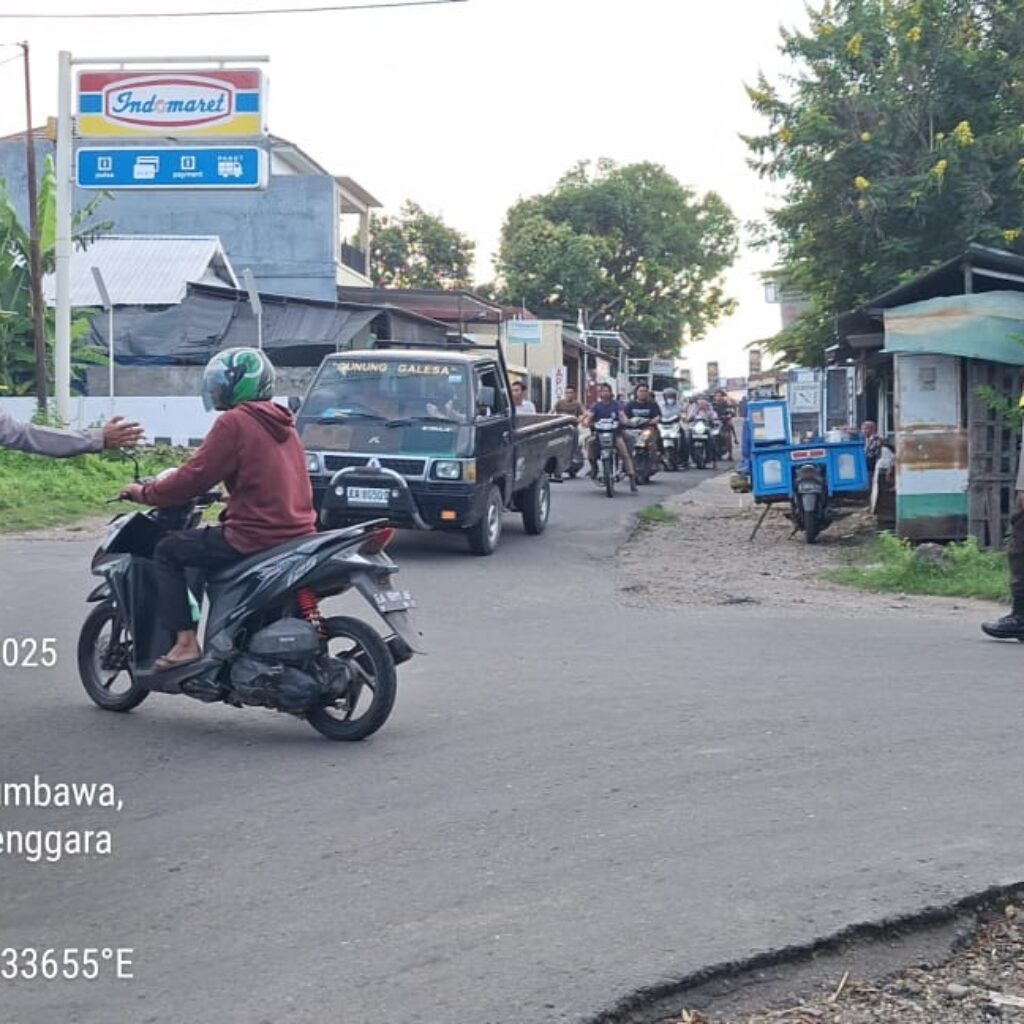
(519, 399)
(1011, 626)
(570, 405)
(64, 444)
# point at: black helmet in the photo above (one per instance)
(237, 375)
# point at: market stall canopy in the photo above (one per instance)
(982, 325)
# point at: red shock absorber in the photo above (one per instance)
(309, 609)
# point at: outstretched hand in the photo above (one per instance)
(119, 434)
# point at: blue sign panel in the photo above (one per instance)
(219, 167)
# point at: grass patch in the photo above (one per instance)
(657, 514)
(37, 491)
(964, 571)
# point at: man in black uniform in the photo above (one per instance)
(645, 411)
(1011, 627)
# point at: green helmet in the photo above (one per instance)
(237, 375)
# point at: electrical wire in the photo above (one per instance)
(8, 60)
(330, 8)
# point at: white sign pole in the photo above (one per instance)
(62, 346)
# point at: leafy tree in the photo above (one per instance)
(418, 250)
(897, 139)
(17, 352)
(630, 245)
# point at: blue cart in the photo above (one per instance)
(808, 474)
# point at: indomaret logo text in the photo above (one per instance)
(169, 102)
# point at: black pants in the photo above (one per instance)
(1015, 557)
(205, 548)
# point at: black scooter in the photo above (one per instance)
(266, 643)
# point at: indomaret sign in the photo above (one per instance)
(221, 102)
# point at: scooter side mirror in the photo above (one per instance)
(129, 454)
(294, 402)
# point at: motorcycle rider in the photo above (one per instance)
(644, 413)
(607, 407)
(703, 410)
(254, 449)
(671, 406)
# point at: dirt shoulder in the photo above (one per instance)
(707, 558)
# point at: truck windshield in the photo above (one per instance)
(392, 391)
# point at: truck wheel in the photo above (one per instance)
(536, 505)
(483, 536)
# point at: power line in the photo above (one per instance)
(8, 60)
(380, 5)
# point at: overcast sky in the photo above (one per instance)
(467, 107)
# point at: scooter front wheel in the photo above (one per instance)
(370, 695)
(104, 659)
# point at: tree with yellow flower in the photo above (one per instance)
(896, 138)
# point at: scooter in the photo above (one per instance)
(266, 642)
(704, 443)
(646, 457)
(809, 500)
(672, 440)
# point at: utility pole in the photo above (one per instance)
(35, 261)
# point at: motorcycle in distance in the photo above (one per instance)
(704, 443)
(609, 465)
(672, 439)
(726, 437)
(643, 440)
(266, 643)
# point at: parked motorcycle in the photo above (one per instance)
(609, 464)
(673, 441)
(704, 443)
(646, 457)
(809, 501)
(266, 643)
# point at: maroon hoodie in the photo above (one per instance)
(255, 451)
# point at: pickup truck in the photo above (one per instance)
(428, 439)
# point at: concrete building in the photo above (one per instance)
(304, 235)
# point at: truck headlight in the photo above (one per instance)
(448, 469)
(313, 463)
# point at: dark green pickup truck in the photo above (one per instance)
(429, 439)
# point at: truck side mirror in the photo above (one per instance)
(294, 402)
(485, 398)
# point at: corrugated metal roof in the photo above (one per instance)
(145, 270)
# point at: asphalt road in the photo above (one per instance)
(574, 799)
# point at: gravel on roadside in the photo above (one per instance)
(982, 982)
(707, 557)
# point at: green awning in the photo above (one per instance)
(984, 325)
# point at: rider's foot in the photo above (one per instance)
(632, 485)
(592, 473)
(1009, 627)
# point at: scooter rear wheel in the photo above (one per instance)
(371, 695)
(102, 631)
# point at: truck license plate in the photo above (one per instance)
(367, 495)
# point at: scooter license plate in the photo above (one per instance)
(393, 601)
(808, 488)
(367, 495)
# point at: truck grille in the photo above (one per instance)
(407, 467)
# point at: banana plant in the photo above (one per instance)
(17, 353)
